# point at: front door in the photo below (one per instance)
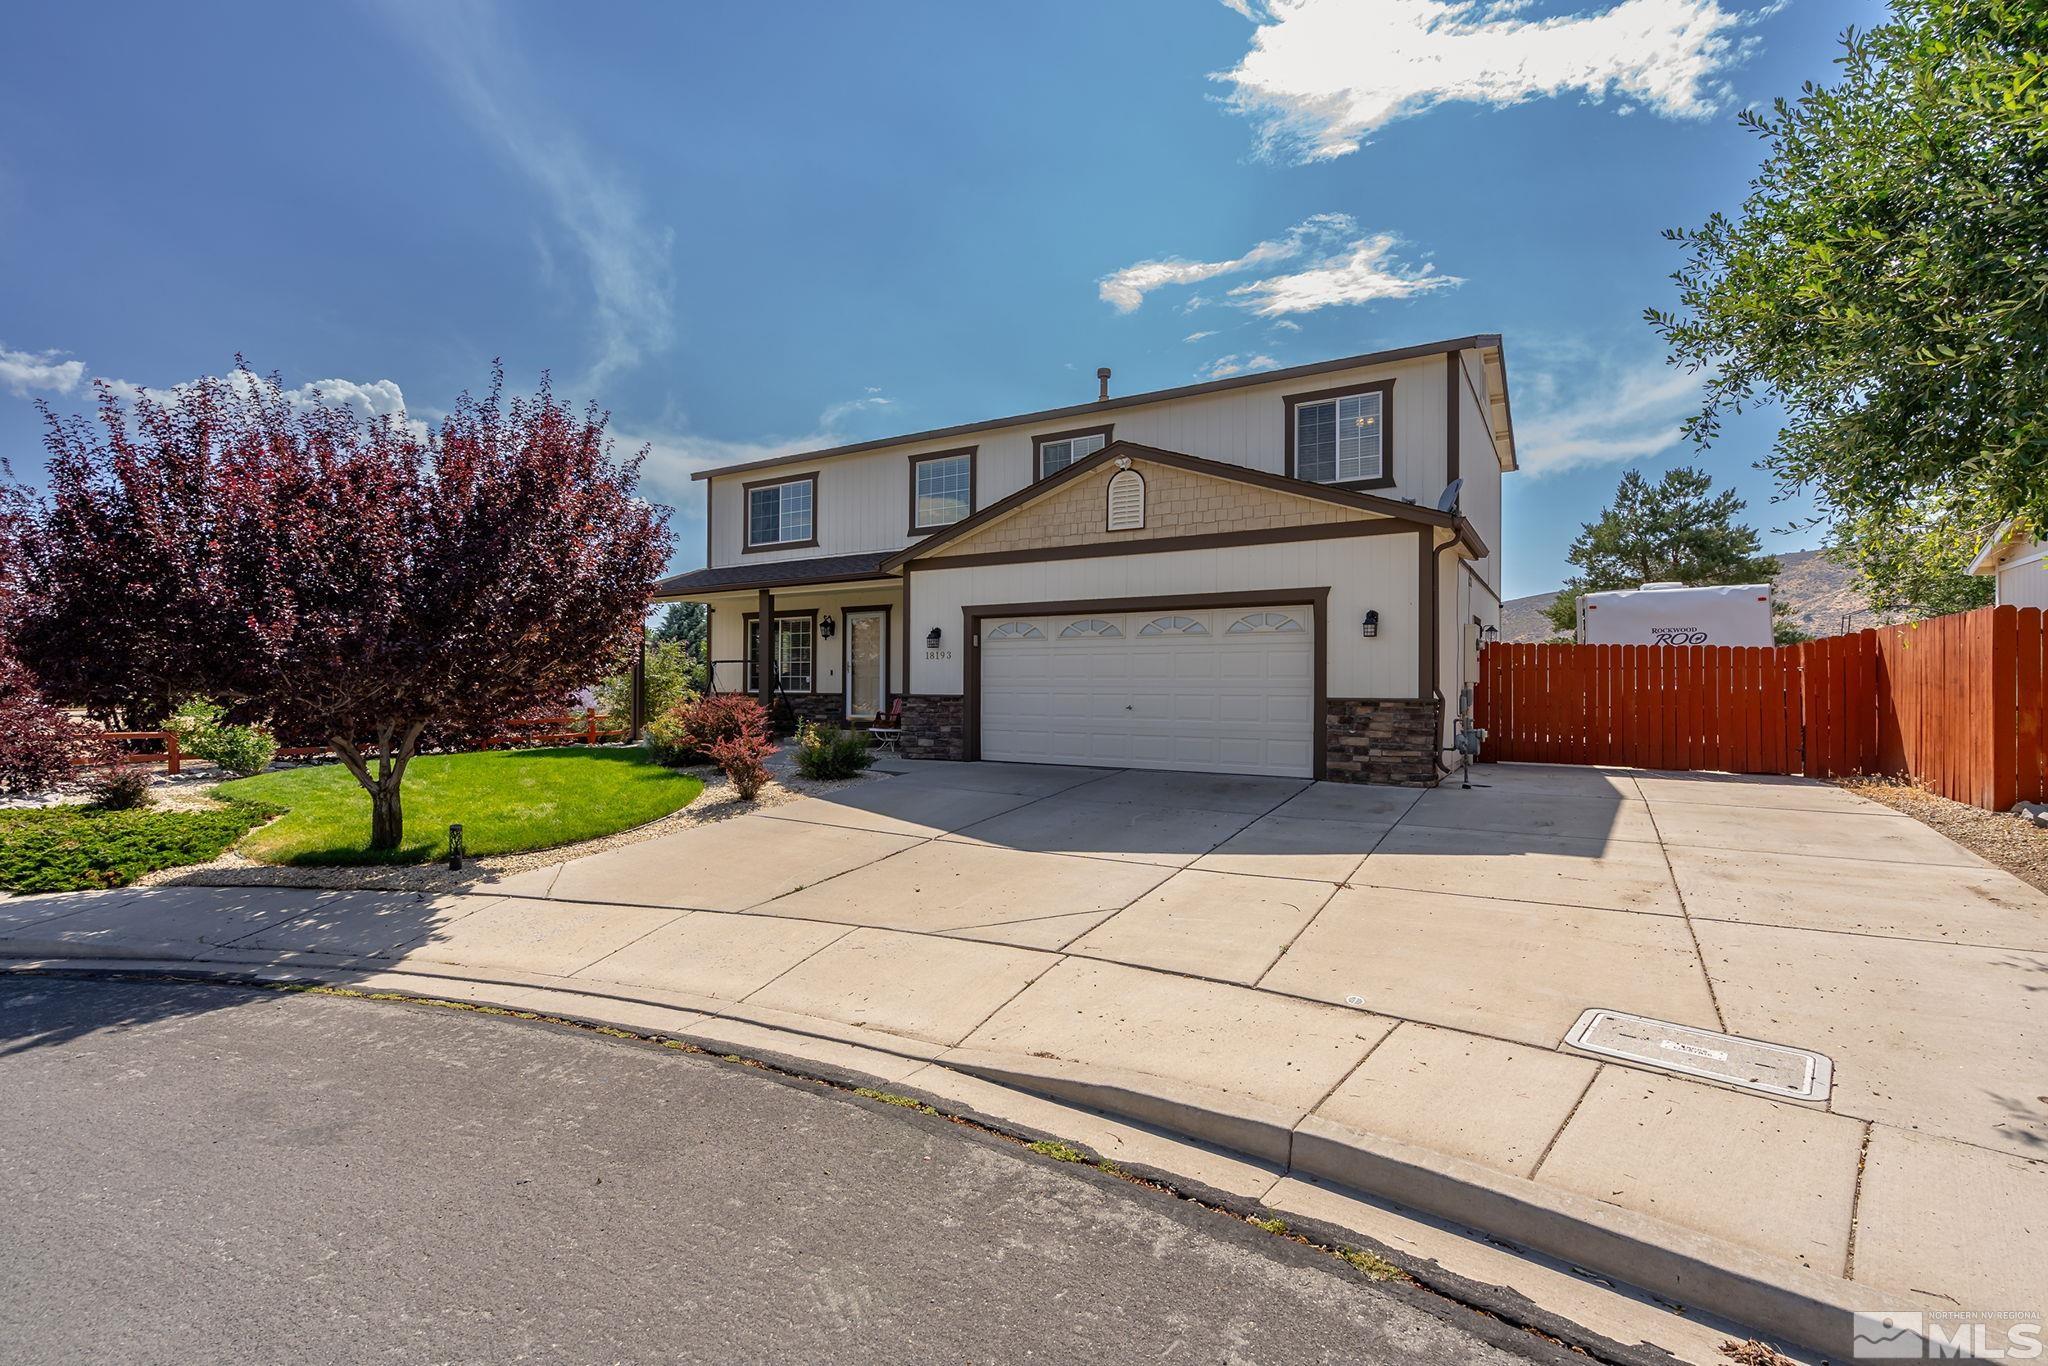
(867, 665)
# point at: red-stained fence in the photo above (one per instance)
(1957, 702)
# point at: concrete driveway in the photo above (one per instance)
(1352, 964)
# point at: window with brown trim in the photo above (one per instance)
(1342, 437)
(1055, 451)
(796, 650)
(782, 513)
(941, 489)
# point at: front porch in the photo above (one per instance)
(838, 649)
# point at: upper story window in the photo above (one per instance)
(1342, 436)
(782, 513)
(941, 489)
(1056, 451)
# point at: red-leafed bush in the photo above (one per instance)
(733, 730)
(717, 717)
(39, 746)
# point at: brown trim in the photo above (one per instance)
(1478, 341)
(747, 547)
(1454, 407)
(1426, 610)
(909, 630)
(1106, 431)
(1215, 469)
(1385, 389)
(973, 483)
(845, 663)
(710, 498)
(1318, 600)
(1166, 545)
(1144, 513)
(812, 612)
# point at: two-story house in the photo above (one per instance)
(1278, 573)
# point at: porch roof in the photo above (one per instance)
(736, 578)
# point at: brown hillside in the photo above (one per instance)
(1823, 594)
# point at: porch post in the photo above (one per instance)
(764, 652)
(639, 707)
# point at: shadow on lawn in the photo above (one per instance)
(353, 929)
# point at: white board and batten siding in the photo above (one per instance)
(863, 499)
(1227, 690)
(2023, 576)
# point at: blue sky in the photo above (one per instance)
(747, 229)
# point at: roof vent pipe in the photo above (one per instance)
(1102, 375)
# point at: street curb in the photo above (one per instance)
(1777, 1298)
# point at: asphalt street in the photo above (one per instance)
(208, 1173)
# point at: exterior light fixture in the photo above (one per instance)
(1371, 625)
(931, 639)
(1489, 635)
(825, 628)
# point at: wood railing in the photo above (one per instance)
(1955, 702)
(566, 728)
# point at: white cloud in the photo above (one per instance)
(24, 371)
(1125, 289)
(626, 256)
(1197, 336)
(1594, 414)
(1224, 366)
(839, 412)
(1322, 75)
(1364, 273)
(1339, 267)
(673, 456)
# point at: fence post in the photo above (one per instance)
(171, 752)
(2001, 785)
(590, 725)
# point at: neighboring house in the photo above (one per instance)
(2018, 563)
(1251, 575)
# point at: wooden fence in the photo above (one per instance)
(567, 728)
(1957, 702)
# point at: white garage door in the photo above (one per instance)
(1226, 691)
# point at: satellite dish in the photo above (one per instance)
(1447, 501)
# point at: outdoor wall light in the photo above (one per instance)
(1489, 635)
(1371, 625)
(931, 639)
(825, 628)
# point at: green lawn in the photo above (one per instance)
(508, 801)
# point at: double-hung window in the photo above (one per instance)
(1340, 436)
(782, 513)
(795, 653)
(941, 489)
(1061, 449)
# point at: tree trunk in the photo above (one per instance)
(387, 814)
(387, 817)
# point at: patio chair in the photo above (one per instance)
(887, 732)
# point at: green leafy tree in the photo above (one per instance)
(1885, 283)
(684, 624)
(1677, 529)
(673, 676)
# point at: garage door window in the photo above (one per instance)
(1078, 629)
(1173, 626)
(1262, 622)
(1016, 630)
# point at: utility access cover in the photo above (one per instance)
(1775, 1070)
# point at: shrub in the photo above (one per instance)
(118, 787)
(72, 848)
(201, 727)
(673, 678)
(734, 732)
(667, 743)
(39, 745)
(826, 752)
(721, 716)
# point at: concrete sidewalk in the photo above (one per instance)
(1362, 985)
